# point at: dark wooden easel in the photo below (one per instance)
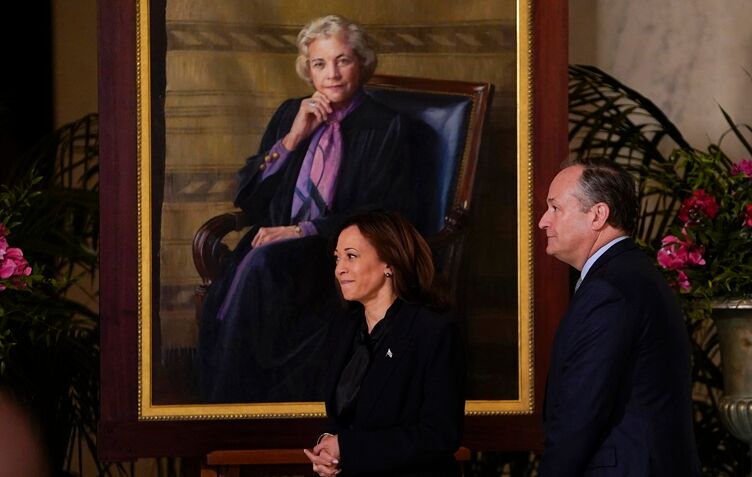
(122, 435)
(229, 463)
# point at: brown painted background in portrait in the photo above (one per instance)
(228, 67)
(121, 434)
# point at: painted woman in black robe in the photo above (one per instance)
(321, 159)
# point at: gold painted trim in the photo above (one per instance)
(525, 404)
(147, 411)
(525, 218)
(143, 131)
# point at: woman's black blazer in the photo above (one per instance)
(408, 419)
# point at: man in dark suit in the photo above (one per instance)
(618, 391)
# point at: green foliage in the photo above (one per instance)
(49, 341)
(607, 118)
(16, 199)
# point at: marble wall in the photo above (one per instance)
(687, 56)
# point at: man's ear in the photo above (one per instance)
(601, 213)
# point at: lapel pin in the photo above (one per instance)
(389, 353)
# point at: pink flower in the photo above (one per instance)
(683, 281)
(676, 254)
(748, 215)
(23, 268)
(742, 167)
(7, 269)
(13, 264)
(15, 255)
(699, 204)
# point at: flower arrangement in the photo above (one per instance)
(15, 200)
(15, 271)
(49, 335)
(707, 254)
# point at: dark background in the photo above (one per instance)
(26, 101)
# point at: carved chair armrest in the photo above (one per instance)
(454, 227)
(208, 250)
(446, 245)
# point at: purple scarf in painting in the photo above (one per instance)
(314, 190)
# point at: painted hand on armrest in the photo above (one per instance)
(267, 235)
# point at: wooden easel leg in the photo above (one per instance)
(207, 471)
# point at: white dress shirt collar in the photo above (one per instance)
(590, 261)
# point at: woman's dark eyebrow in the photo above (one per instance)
(345, 250)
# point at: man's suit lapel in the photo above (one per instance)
(621, 247)
(563, 331)
(396, 345)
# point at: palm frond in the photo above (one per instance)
(610, 119)
(737, 132)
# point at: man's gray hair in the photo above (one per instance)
(603, 180)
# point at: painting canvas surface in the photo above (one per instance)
(227, 67)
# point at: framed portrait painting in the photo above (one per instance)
(186, 91)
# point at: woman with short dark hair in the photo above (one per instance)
(396, 390)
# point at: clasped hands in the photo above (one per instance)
(325, 456)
